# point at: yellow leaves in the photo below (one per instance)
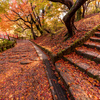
(10, 96)
(22, 98)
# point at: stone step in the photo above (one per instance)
(89, 54)
(75, 81)
(97, 34)
(92, 45)
(96, 39)
(84, 67)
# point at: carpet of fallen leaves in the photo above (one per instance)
(89, 49)
(89, 85)
(89, 41)
(81, 59)
(56, 43)
(23, 82)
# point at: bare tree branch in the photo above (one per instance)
(11, 19)
(35, 15)
(19, 15)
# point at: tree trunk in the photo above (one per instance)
(84, 8)
(68, 17)
(39, 29)
(69, 27)
(43, 11)
(34, 36)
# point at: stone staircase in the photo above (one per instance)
(80, 70)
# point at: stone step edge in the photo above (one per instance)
(69, 49)
(66, 84)
(92, 46)
(78, 42)
(88, 72)
(50, 75)
(95, 39)
(88, 56)
(53, 57)
(97, 34)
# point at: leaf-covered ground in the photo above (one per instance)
(20, 81)
(56, 44)
(89, 87)
(79, 58)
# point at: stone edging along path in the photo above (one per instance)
(56, 90)
(69, 49)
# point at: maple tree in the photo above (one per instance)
(32, 18)
(26, 19)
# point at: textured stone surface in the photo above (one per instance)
(88, 54)
(97, 34)
(92, 44)
(94, 54)
(78, 93)
(25, 62)
(83, 65)
(97, 46)
(94, 72)
(14, 61)
(40, 53)
(68, 79)
(97, 59)
(35, 58)
(95, 39)
(11, 57)
(2, 58)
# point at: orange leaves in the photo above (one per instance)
(10, 21)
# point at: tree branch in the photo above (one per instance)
(19, 15)
(27, 25)
(11, 19)
(35, 15)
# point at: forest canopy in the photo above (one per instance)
(32, 17)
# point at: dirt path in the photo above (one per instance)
(22, 74)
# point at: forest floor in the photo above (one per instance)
(22, 74)
(55, 44)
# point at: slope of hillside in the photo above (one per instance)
(56, 43)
